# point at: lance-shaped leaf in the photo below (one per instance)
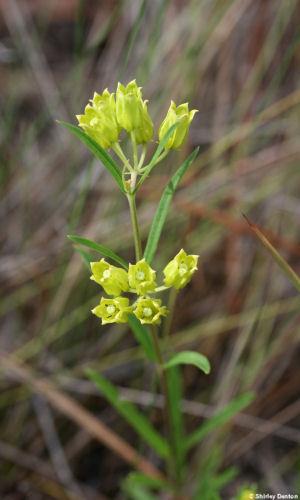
(138, 478)
(142, 336)
(163, 207)
(190, 358)
(86, 257)
(98, 152)
(174, 382)
(103, 250)
(131, 414)
(219, 419)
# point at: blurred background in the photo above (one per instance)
(237, 61)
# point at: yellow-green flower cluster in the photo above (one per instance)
(109, 113)
(140, 279)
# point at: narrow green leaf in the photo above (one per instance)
(142, 336)
(219, 419)
(282, 263)
(86, 257)
(163, 207)
(103, 250)
(97, 151)
(137, 492)
(174, 382)
(138, 478)
(190, 358)
(226, 477)
(131, 414)
(157, 153)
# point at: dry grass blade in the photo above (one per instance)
(41, 470)
(223, 218)
(55, 449)
(270, 426)
(79, 415)
(286, 268)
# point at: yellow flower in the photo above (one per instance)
(113, 280)
(132, 113)
(113, 310)
(149, 311)
(180, 270)
(99, 119)
(141, 277)
(176, 114)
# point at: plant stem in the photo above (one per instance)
(142, 157)
(172, 465)
(168, 321)
(134, 149)
(167, 403)
(135, 227)
(159, 159)
(119, 152)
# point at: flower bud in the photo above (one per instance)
(132, 113)
(113, 310)
(180, 270)
(99, 119)
(149, 311)
(141, 277)
(176, 114)
(113, 280)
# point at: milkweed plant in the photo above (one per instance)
(132, 292)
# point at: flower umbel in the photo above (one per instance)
(141, 277)
(113, 280)
(176, 114)
(113, 310)
(149, 311)
(180, 270)
(99, 119)
(132, 112)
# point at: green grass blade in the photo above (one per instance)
(131, 414)
(282, 263)
(221, 418)
(103, 250)
(97, 151)
(190, 358)
(157, 153)
(163, 207)
(142, 336)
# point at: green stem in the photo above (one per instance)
(167, 404)
(119, 152)
(159, 159)
(142, 158)
(134, 149)
(135, 227)
(171, 307)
